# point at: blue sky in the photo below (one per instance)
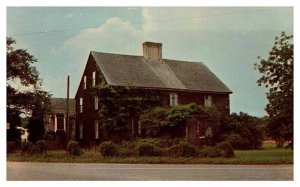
(228, 40)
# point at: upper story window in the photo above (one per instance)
(208, 100)
(84, 82)
(96, 130)
(80, 105)
(94, 78)
(173, 99)
(96, 102)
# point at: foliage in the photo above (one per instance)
(36, 127)
(20, 71)
(269, 154)
(223, 149)
(11, 147)
(160, 121)
(147, 149)
(226, 149)
(119, 104)
(242, 131)
(277, 75)
(40, 147)
(26, 148)
(183, 149)
(108, 149)
(73, 148)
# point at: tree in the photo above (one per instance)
(20, 71)
(277, 75)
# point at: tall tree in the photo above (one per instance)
(277, 75)
(21, 72)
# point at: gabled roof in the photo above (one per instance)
(128, 70)
(59, 105)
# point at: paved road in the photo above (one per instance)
(133, 172)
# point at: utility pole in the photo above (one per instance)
(67, 119)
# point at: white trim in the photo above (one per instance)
(84, 82)
(64, 123)
(55, 123)
(94, 78)
(80, 105)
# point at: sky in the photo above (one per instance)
(227, 40)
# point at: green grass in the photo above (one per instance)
(267, 155)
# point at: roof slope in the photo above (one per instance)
(59, 105)
(123, 70)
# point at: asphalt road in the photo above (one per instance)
(145, 172)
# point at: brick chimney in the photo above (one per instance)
(152, 51)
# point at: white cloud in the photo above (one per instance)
(69, 15)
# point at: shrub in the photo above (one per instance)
(223, 149)
(73, 148)
(108, 148)
(11, 147)
(147, 149)
(243, 131)
(226, 149)
(40, 147)
(183, 149)
(26, 148)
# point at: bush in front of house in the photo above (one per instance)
(183, 149)
(40, 147)
(11, 147)
(210, 152)
(223, 149)
(26, 148)
(147, 149)
(108, 149)
(73, 148)
(226, 149)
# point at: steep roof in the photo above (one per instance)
(128, 70)
(59, 105)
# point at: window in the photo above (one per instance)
(208, 132)
(84, 82)
(96, 130)
(94, 78)
(208, 100)
(81, 105)
(60, 122)
(173, 99)
(80, 131)
(96, 101)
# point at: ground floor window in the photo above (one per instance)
(80, 131)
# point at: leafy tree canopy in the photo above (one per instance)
(20, 70)
(277, 75)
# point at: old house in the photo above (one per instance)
(175, 82)
(56, 118)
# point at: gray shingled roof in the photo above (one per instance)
(128, 70)
(59, 105)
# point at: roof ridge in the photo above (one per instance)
(115, 54)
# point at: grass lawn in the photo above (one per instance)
(269, 154)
